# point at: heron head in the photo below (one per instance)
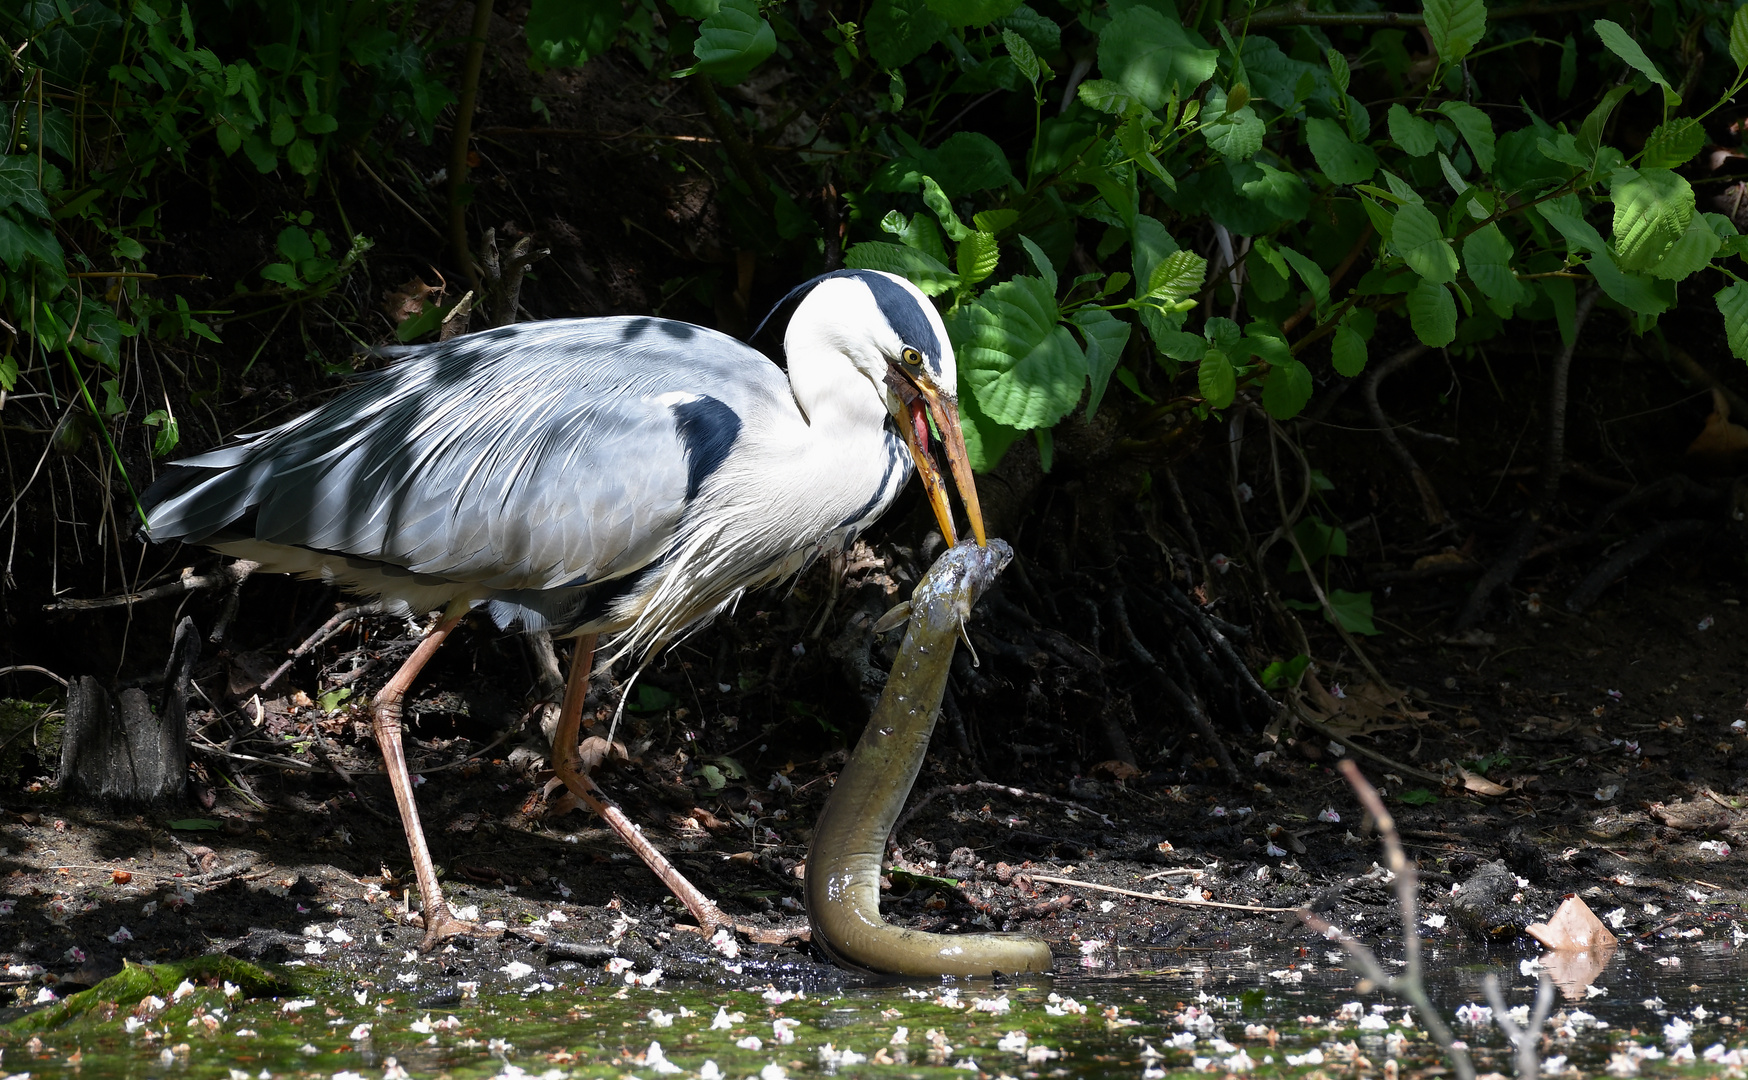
(893, 335)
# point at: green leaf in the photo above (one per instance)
(1106, 96)
(1216, 379)
(1487, 257)
(1432, 313)
(1673, 143)
(1476, 128)
(1284, 673)
(1622, 45)
(1153, 57)
(899, 31)
(1635, 292)
(1568, 68)
(1739, 39)
(1690, 254)
(1590, 132)
(564, 33)
(1106, 336)
(994, 221)
(1177, 277)
(1417, 797)
(923, 271)
(1415, 235)
(18, 185)
(972, 12)
(1652, 209)
(1184, 347)
(1415, 136)
(1286, 389)
(1311, 274)
(1339, 71)
(977, 257)
(1353, 610)
(1023, 366)
(1046, 269)
(969, 161)
(1338, 157)
(1347, 351)
(1566, 215)
(1024, 58)
(301, 156)
(936, 199)
(195, 824)
(917, 231)
(1455, 26)
(1732, 304)
(1236, 135)
(732, 42)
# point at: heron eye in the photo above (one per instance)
(912, 357)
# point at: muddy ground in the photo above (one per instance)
(1605, 752)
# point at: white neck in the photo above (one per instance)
(832, 390)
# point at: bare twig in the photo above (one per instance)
(1180, 699)
(33, 669)
(1409, 986)
(461, 136)
(1527, 1039)
(1510, 560)
(1430, 506)
(189, 581)
(323, 633)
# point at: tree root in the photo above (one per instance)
(1630, 554)
(1430, 505)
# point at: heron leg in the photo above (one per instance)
(564, 752)
(386, 718)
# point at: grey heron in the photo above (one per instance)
(626, 475)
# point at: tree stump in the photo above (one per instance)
(128, 755)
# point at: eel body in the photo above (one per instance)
(843, 864)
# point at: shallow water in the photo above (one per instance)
(1162, 1013)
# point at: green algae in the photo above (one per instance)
(137, 982)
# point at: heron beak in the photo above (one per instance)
(922, 402)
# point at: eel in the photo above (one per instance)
(842, 885)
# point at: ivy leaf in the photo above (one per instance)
(977, 257)
(1732, 303)
(1338, 157)
(1487, 257)
(1347, 352)
(564, 33)
(1476, 128)
(1216, 379)
(18, 185)
(1622, 45)
(1022, 364)
(1106, 336)
(1415, 235)
(1673, 143)
(922, 270)
(1353, 610)
(1415, 136)
(1286, 389)
(732, 42)
(1456, 27)
(899, 31)
(1153, 57)
(1432, 313)
(1652, 209)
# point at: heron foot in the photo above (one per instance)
(446, 928)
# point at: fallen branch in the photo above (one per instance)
(228, 576)
(1180, 901)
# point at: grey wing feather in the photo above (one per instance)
(530, 457)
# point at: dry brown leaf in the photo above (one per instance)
(1574, 926)
(1721, 442)
(1480, 785)
(409, 300)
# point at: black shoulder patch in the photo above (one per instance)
(709, 428)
